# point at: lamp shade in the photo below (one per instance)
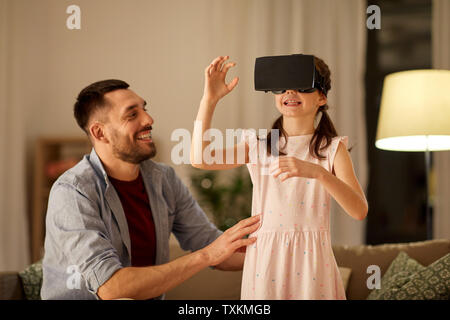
(415, 111)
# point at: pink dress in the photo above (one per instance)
(292, 257)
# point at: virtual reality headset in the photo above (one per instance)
(290, 72)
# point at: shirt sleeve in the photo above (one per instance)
(191, 226)
(79, 237)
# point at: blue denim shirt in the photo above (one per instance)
(87, 237)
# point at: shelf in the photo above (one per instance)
(53, 156)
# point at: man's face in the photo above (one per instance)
(129, 126)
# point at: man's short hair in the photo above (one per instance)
(91, 99)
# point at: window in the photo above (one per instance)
(397, 186)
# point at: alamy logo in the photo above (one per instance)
(74, 280)
(74, 20)
(215, 141)
(373, 21)
(373, 282)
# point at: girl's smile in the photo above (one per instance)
(291, 102)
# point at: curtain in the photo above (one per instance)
(441, 60)
(14, 248)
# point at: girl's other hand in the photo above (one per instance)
(293, 167)
(215, 73)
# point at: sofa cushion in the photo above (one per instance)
(398, 274)
(430, 283)
(360, 257)
(32, 281)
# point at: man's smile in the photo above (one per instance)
(145, 136)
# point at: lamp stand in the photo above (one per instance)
(428, 205)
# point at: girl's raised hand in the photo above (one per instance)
(293, 167)
(215, 73)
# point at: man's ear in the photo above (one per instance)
(97, 131)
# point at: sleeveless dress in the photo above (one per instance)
(292, 257)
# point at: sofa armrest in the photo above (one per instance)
(11, 286)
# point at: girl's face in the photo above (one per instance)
(295, 104)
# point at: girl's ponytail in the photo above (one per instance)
(277, 125)
(325, 131)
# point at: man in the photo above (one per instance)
(109, 218)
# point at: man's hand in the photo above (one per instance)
(231, 240)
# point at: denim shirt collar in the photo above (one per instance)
(97, 165)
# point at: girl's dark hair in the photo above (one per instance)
(324, 131)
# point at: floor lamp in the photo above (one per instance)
(415, 116)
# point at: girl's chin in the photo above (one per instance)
(290, 113)
(294, 111)
(289, 109)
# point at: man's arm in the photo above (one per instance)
(150, 282)
(233, 263)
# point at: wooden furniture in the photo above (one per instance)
(53, 156)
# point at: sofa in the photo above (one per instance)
(212, 284)
(353, 262)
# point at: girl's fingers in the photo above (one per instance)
(274, 165)
(278, 172)
(286, 159)
(283, 163)
(286, 176)
(215, 62)
(228, 66)
(272, 170)
(278, 166)
(233, 84)
(218, 63)
(221, 62)
(208, 70)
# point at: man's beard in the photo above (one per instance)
(131, 151)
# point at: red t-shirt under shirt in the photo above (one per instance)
(141, 227)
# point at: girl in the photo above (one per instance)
(292, 257)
